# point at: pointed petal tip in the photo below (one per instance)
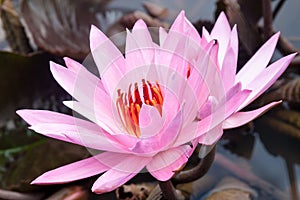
(25, 115)
(20, 112)
(101, 190)
(222, 16)
(276, 35)
(94, 28)
(139, 24)
(182, 13)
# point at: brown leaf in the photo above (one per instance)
(62, 27)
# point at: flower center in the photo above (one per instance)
(129, 104)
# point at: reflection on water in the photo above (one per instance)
(270, 165)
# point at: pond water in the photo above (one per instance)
(265, 159)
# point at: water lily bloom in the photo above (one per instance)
(152, 106)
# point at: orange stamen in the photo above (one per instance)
(129, 108)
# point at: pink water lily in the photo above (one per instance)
(153, 106)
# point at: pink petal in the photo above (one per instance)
(77, 68)
(266, 78)
(241, 118)
(161, 141)
(171, 105)
(182, 39)
(120, 174)
(81, 84)
(229, 68)
(208, 107)
(99, 117)
(111, 180)
(221, 112)
(162, 36)
(221, 32)
(258, 62)
(234, 41)
(109, 60)
(139, 46)
(74, 171)
(150, 121)
(164, 164)
(183, 26)
(69, 129)
(210, 73)
(211, 136)
(205, 37)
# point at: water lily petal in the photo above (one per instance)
(185, 27)
(150, 121)
(258, 62)
(104, 121)
(164, 165)
(211, 136)
(221, 32)
(70, 129)
(241, 118)
(80, 85)
(120, 174)
(266, 78)
(109, 60)
(151, 145)
(162, 35)
(229, 68)
(139, 46)
(205, 37)
(221, 112)
(229, 65)
(74, 171)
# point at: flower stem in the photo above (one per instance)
(168, 190)
(196, 172)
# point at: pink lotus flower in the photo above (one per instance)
(152, 107)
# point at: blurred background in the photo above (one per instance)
(257, 161)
